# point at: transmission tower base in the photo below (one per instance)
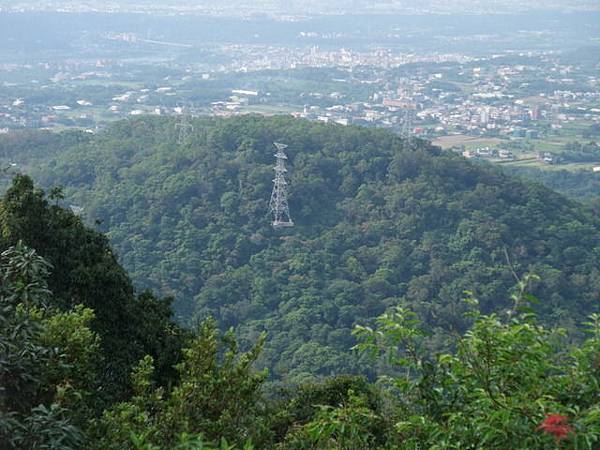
(279, 224)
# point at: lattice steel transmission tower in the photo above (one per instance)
(409, 107)
(278, 205)
(408, 122)
(184, 126)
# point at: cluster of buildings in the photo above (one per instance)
(510, 96)
(249, 58)
(483, 98)
(489, 153)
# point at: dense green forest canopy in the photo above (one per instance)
(378, 224)
(130, 325)
(583, 186)
(509, 383)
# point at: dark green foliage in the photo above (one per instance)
(495, 391)
(307, 403)
(577, 152)
(583, 185)
(499, 386)
(130, 326)
(217, 397)
(46, 367)
(301, 402)
(39, 144)
(350, 425)
(377, 224)
(592, 131)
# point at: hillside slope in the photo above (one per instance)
(377, 224)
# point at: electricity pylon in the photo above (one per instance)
(184, 126)
(278, 205)
(407, 124)
(409, 112)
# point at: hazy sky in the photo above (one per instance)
(311, 6)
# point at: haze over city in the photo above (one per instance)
(238, 7)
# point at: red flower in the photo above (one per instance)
(556, 425)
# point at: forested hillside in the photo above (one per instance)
(377, 225)
(130, 325)
(583, 186)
